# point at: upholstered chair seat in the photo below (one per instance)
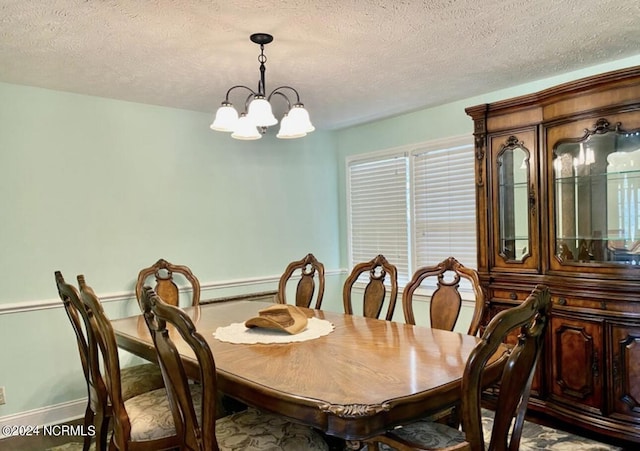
(140, 379)
(150, 416)
(151, 419)
(254, 429)
(428, 434)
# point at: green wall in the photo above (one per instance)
(104, 188)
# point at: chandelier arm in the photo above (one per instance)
(277, 91)
(246, 102)
(253, 93)
(283, 95)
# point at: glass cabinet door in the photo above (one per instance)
(597, 196)
(515, 199)
(513, 175)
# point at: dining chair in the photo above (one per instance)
(375, 291)
(310, 269)
(165, 285)
(446, 301)
(135, 379)
(143, 422)
(532, 318)
(194, 407)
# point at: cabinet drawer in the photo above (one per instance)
(576, 302)
(559, 300)
(511, 295)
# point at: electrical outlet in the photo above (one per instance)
(2, 400)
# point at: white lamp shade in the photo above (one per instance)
(245, 129)
(226, 118)
(260, 112)
(300, 117)
(287, 131)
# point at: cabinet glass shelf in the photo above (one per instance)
(621, 175)
(521, 185)
(597, 196)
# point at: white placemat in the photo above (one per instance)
(239, 334)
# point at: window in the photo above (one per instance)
(415, 205)
(378, 211)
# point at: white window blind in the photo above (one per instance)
(444, 206)
(416, 205)
(378, 211)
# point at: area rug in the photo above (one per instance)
(538, 438)
(68, 447)
(534, 438)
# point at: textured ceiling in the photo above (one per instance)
(351, 60)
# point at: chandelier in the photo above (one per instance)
(257, 115)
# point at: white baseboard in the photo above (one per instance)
(44, 416)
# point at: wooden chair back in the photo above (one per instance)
(110, 373)
(310, 269)
(446, 301)
(98, 404)
(160, 317)
(375, 291)
(532, 317)
(166, 287)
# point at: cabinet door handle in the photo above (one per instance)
(561, 301)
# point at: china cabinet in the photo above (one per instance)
(558, 196)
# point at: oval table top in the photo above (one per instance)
(364, 377)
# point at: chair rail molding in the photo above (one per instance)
(45, 304)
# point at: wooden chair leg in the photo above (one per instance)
(335, 443)
(88, 421)
(102, 432)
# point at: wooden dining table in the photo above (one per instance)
(361, 379)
